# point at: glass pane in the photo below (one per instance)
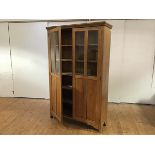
(58, 67)
(79, 38)
(79, 52)
(93, 37)
(52, 53)
(79, 68)
(56, 38)
(91, 69)
(92, 53)
(57, 52)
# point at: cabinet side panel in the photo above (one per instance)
(106, 34)
(49, 67)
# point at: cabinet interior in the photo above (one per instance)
(66, 59)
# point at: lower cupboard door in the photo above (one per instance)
(56, 104)
(58, 99)
(79, 107)
(92, 103)
(53, 95)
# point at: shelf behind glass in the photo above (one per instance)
(66, 60)
(79, 68)
(92, 61)
(92, 37)
(91, 69)
(92, 44)
(66, 45)
(79, 45)
(79, 60)
(67, 73)
(79, 37)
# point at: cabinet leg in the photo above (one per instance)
(102, 127)
(104, 124)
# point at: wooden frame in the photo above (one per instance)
(89, 93)
(54, 75)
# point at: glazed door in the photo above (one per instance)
(86, 75)
(55, 74)
(92, 77)
(79, 51)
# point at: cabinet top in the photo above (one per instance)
(88, 24)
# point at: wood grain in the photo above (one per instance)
(55, 78)
(105, 55)
(53, 94)
(91, 94)
(88, 24)
(23, 116)
(79, 104)
(58, 98)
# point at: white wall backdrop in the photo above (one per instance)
(116, 55)
(131, 60)
(6, 85)
(138, 61)
(30, 59)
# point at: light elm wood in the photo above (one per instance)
(91, 100)
(79, 112)
(105, 56)
(55, 78)
(87, 100)
(58, 98)
(53, 94)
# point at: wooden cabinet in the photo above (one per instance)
(78, 72)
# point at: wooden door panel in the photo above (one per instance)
(91, 93)
(92, 77)
(79, 112)
(53, 94)
(55, 73)
(58, 97)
